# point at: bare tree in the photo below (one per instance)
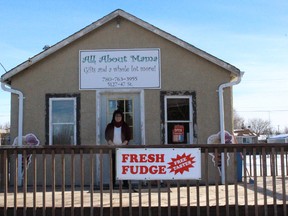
(260, 126)
(286, 130)
(237, 120)
(5, 125)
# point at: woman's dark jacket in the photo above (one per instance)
(125, 132)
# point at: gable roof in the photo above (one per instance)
(118, 13)
(279, 136)
(244, 132)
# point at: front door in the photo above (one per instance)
(127, 102)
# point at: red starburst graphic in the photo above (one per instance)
(180, 164)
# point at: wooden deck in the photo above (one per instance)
(128, 201)
(144, 198)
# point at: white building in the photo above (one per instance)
(281, 138)
(245, 136)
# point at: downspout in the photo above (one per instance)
(222, 120)
(221, 104)
(20, 125)
(20, 111)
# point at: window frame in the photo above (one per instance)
(48, 117)
(190, 121)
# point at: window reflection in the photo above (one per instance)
(178, 109)
(62, 111)
(112, 105)
(63, 134)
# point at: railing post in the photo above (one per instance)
(206, 177)
(245, 181)
(255, 182)
(5, 169)
(101, 182)
(236, 158)
(1, 171)
(217, 177)
(82, 181)
(72, 181)
(63, 181)
(92, 161)
(34, 158)
(15, 155)
(24, 176)
(225, 179)
(265, 180)
(53, 183)
(44, 182)
(274, 158)
(283, 182)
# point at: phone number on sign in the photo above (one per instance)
(118, 79)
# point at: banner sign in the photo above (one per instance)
(133, 68)
(158, 163)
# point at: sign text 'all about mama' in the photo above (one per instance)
(125, 68)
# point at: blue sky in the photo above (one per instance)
(249, 34)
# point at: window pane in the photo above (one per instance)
(178, 109)
(128, 106)
(132, 132)
(63, 134)
(178, 133)
(109, 118)
(120, 105)
(128, 119)
(63, 111)
(112, 106)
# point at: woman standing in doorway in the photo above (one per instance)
(117, 133)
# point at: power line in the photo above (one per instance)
(262, 110)
(3, 67)
(263, 80)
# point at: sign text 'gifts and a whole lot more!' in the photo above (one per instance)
(158, 163)
(125, 68)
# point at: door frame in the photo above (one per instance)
(99, 94)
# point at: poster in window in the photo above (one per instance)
(178, 134)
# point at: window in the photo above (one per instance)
(62, 121)
(247, 140)
(178, 119)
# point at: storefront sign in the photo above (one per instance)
(158, 163)
(135, 68)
